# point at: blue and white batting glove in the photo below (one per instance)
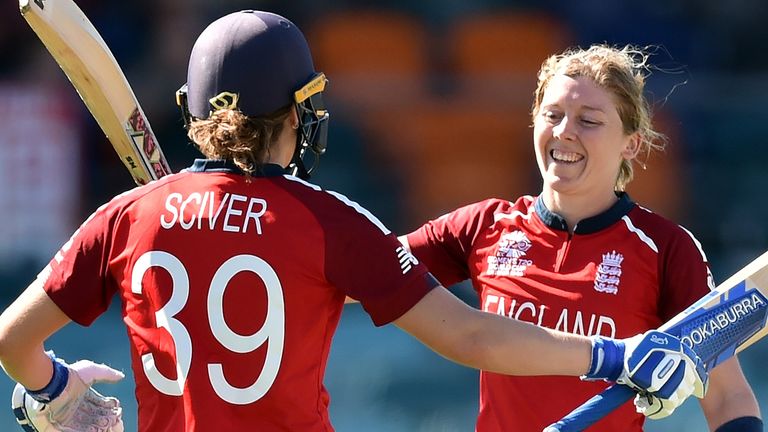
(663, 370)
(68, 403)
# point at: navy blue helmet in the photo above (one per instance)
(258, 63)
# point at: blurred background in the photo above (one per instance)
(430, 110)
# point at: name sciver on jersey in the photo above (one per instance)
(568, 321)
(200, 211)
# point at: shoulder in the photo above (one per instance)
(654, 223)
(662, 231)
(126, 200)
(329, 207)
(472, 221)
(492, 209)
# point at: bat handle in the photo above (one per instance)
(593, 410)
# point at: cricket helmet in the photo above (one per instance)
(258, 63)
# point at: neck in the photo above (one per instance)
(576, 207)
(281, 150)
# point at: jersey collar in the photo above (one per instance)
(589, 225)
(227, 166)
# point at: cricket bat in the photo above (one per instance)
(89, 64)
(730, 318)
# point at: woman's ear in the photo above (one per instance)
(631, 147)
(293, 118)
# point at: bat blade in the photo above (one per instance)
(740, 299)
(730, 318)
(85, 58)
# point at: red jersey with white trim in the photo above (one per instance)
(621, 273)
(232, 291)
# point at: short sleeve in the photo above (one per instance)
(76, 278)
(444, 244)
(367, 262)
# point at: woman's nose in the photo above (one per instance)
(564, 131)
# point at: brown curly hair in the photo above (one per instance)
(231, 135)
(620, 71)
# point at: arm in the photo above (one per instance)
(490, 342)
(497, 344)
(729, 395)
(51, 394)
(24, 325)
(493, 343)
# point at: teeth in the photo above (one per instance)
(562, 156)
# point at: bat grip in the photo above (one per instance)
(593, 410)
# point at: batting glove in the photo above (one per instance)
(69, 403)
(662, 369)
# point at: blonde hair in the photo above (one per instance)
(231, 135)
(620, 71)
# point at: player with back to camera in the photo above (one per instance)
(233, 273)
(581, 256)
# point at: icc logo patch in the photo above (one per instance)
(508, 260)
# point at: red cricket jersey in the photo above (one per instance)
(621, 272)
(231, 292)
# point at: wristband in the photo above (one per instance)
(607, 359)
(742, 424)
(58, 381)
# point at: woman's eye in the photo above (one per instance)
(590, 122)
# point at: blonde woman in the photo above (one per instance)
(581, 257)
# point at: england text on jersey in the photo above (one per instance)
(566, 320)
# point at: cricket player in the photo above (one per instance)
(582, 256)
(233, 273)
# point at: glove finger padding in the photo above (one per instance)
(86, 417)
(653, 407)
(665, 372)
(700, 375)
(95, 404)
(100, 401)
(91, 372)
(80, 407)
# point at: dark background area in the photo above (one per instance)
(429, 107)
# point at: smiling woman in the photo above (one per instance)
(581, 257)
(580, 144)
(590, 122)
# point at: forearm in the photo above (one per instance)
(498, 344)
(491, 342)
(30, 367)
(729, 396)
(506, 346)
(735, 405)
(24, 325)
(518, 348)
